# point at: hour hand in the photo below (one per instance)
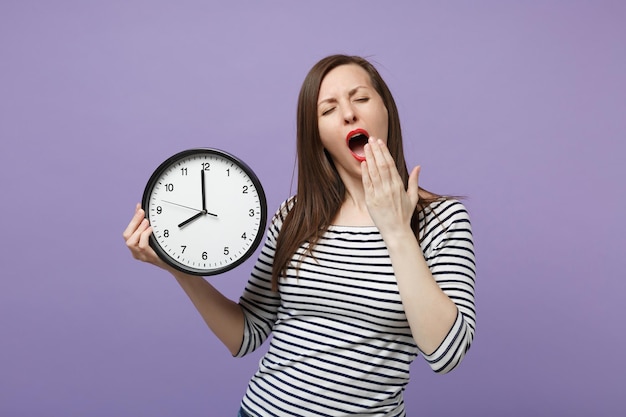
(192, 218)
(195, 216)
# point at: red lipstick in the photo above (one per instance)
(356, 141)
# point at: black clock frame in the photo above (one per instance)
(255, 180)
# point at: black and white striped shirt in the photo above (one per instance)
(341, 344)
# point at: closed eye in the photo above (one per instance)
(328, 111)
(362, 99)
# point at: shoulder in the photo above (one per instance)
(444, 220)
(446, 211)
(285, 208)
(447, 241)
(280, 214)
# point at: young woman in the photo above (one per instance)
(361, 270)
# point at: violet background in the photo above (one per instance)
(521, 106)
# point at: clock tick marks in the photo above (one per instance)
(173, 189)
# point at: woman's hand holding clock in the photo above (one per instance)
(157, 236)
(137, 237)
(166, 238)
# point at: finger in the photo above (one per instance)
(372, 163)
(384, 161)
(390, 167)
(384, 153)
(144, 238)
(146, 253)
(133, 239)
(365, 176)
(376, 152)
(413, 185)
(134, 223)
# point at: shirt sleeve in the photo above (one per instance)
(449, 250)
(258, 302)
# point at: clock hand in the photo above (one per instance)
(180, 205)
(203, 191)
(192, 218)
(195, 216)
(200, 212)
(190, 208)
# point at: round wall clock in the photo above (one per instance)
(207, 210)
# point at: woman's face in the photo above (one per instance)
(349, 110)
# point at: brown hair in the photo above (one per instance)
(320, 191)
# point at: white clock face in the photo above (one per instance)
(207, 210)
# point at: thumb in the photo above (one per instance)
(413, 186)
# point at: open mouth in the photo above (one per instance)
(356, 142)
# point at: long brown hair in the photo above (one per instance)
(320, 191)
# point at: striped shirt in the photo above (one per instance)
(341, 344)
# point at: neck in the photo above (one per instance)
(353, 210)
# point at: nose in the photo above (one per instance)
(349, 115)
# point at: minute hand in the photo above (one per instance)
(203, 191)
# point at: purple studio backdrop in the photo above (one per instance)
(520, 106)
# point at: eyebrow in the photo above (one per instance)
(334, 100)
